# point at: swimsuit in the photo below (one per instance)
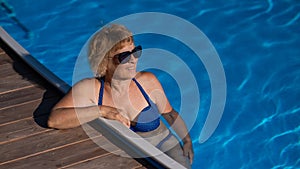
(148, 120)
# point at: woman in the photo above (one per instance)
(118, 92)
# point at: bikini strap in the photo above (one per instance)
(101, 92)
(142, 90)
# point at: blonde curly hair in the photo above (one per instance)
(103, 43)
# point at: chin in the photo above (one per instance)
(126, 76)
(131, 74)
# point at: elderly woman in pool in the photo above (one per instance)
(136, 99)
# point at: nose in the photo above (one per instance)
(132, 59)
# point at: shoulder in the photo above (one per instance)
(155, 91)
(81, 94)
(86, 84)
(148, 79)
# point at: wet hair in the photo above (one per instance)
(103, 43)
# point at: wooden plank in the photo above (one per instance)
(21, 111)
(14, 98)
(21, 70)
(40, 143)
(103, 162)
(16, 64)
(12, 84)
(60, 157)
(27, 127)
(7, 55)
(1, 51)
(4, 58)
(6, 70)
(13, 81)
(20, 76)
(139, 167)
(39, 109)
(70, 154)
(19, 129)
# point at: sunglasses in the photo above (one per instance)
(124, 57)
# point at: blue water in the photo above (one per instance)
(258, 44)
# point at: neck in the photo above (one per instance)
(118, 85)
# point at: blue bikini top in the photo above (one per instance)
(148, 119)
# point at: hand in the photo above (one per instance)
(113, 114)
(188, 150)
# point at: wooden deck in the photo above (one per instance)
(25, 99)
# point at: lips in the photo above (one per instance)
(131, 68)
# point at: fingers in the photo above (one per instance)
(124, 120)
(122, 117)
(185, 152)
(188, 152)
(191, 156)
(113, 114)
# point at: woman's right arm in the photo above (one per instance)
(80, 106)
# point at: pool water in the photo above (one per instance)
(257, 42)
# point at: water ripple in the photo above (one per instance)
(279, 18)
(296, 130)
(246, 79)
(292, 21)
(289, 147)
(271, 4)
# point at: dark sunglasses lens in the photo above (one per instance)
(125, 56)
(137, 51)
(137, 54)
(137, 48)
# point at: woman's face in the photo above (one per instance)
(126, 70)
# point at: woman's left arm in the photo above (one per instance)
(176, 122)
(157, 94)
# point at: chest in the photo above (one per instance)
(130, 103)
